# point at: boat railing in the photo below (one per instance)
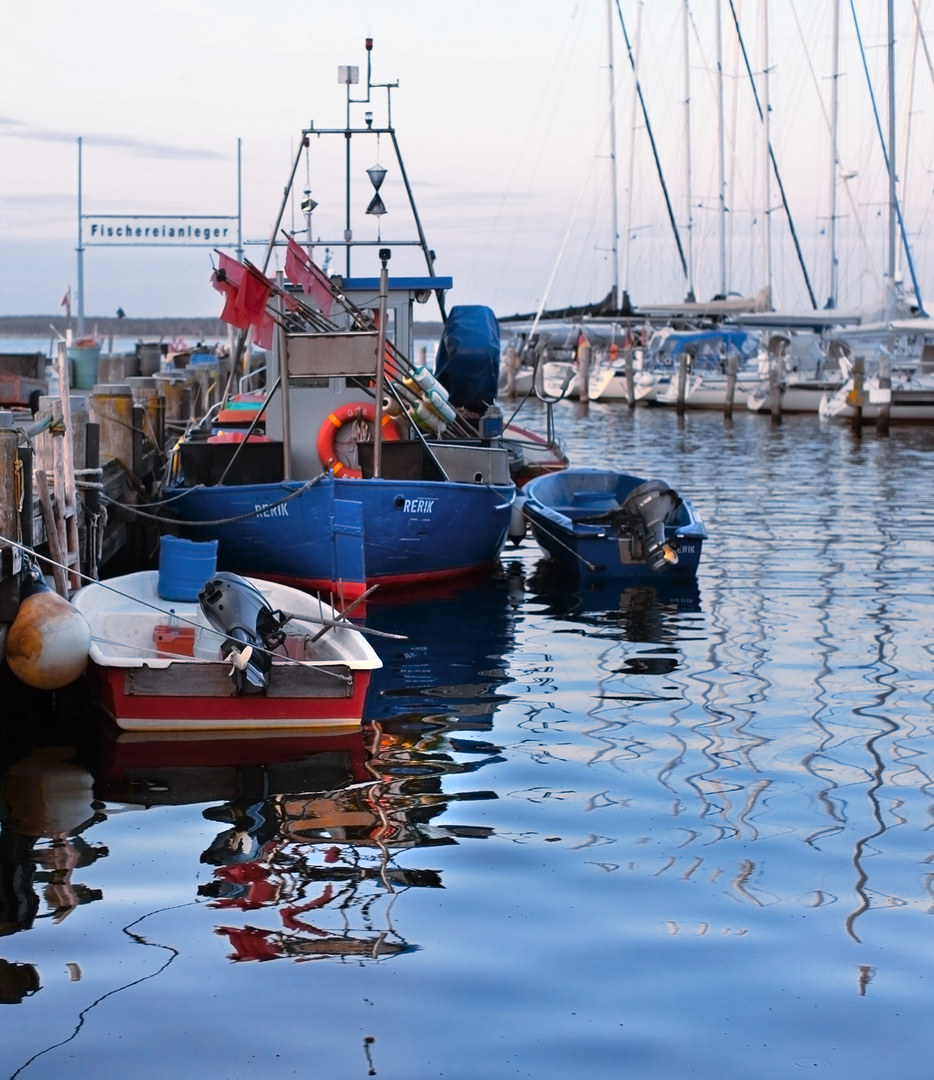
(244, 387)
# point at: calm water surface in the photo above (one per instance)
(641, 833)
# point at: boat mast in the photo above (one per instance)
(720, 163)
(834, 112)
(918, 35)
(613, 181)
(658, 164)
(892, 193)
(909, 258)
(687, 153)
(778, 177)
(632, 143)
(764, 17)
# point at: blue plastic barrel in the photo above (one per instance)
(184, 567)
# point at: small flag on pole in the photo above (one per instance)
(66, 302)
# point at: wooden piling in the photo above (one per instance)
(732, 364)
(630, 377)
(111, 407)
(682, 380)
(583, 371)
(857, 396)
(885, 392)
(776, 378)
(8, 469)
(10, 557)
(52, 534)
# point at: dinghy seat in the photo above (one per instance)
(594, 501)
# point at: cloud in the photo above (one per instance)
(16, 129)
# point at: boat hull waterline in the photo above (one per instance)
(345, 535)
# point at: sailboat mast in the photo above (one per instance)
(909, 112)
(687, 153)
(614, 186)
(648, 131)
(892, 193)
(720, 162)
(778, 175)
(834, 113)
(764, 14)
(909, 258)
(632, 142)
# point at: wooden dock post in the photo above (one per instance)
(92, 502)
(111, 407)
(10, 558)
(857, 396)
(630, 377)
(776, 378)
(9, 507)
(885, 392)
(583, 370)
(682, 380)
(732, 364)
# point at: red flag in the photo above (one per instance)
(301, 271)
(226, 279)
(296, 269)
(228, 290)
(262, 331)
(230, 268)
(321, 290)
(252, 295)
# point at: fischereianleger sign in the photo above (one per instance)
(159, 230)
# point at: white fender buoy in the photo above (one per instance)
(47, 644)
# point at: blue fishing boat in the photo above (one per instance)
(602, 523)
(359, 467)
(309, 508)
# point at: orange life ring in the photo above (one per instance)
(327, 434)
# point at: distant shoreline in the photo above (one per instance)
(202, 329)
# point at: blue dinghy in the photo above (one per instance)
(603, 523)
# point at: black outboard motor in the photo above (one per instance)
(645, 511)
(253, 629)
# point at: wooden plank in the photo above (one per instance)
(209, 679)
(331, 354)
(48, 517)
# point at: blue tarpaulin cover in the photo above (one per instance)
(467, 364)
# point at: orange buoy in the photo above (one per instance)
(47, 644)
(358, 412)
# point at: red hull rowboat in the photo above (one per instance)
(158, 665)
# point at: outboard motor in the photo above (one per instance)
(251, 627)
(645, 511)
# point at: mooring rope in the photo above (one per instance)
(162, 519)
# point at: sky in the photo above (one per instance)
(503, 118)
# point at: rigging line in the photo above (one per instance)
(567, 232)
(924, 40)
(888, 165)
(529, 153)
(774, 160)
(648, 128)
(199, 626)
(846, 185)
(83, 1014)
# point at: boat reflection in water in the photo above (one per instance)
(305, 861)
(642, 610)
(46, 804)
